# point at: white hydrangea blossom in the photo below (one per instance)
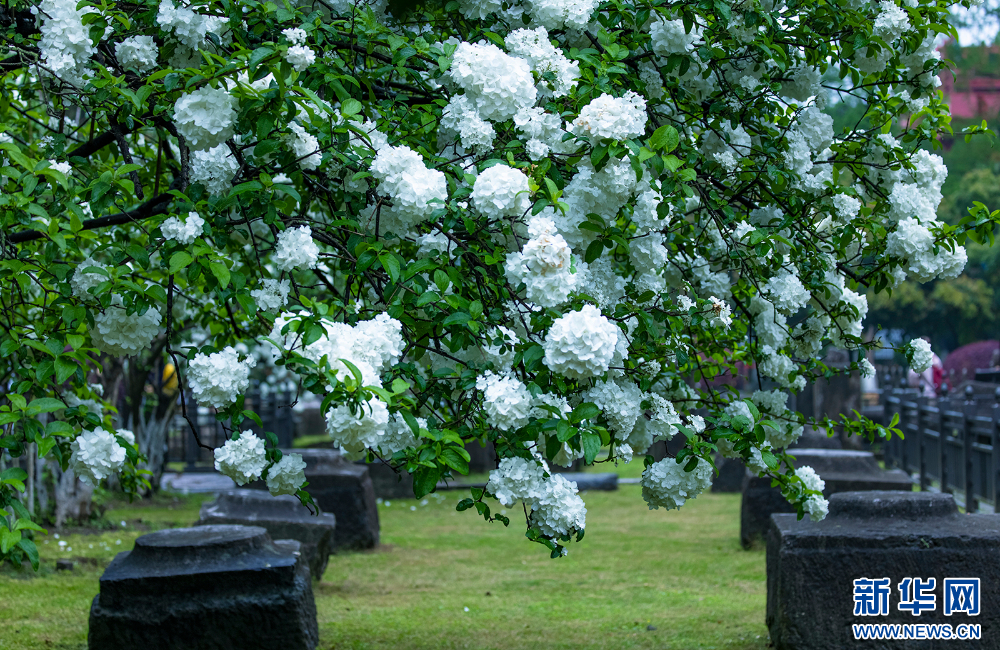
(187, 26)
(665, 484)
(398, 435)
(496, 83)
(620, 401)
(123, 335)
(914, 243)
(786, 292)
(866, 368)
(355, 432)
(501, 191)
(272, 294)
(461, 117)
(137, 53)
(580, 344)
(557, 14)
(205, 117)
(534, 47)
(295, 249)
(669, 37)
(65, 46)
(219, 378)
(516, 479)
(815, 505)
(183, 232)
(243, 459)
(96, 456)
(305, 145)
(506, 400)
(544, 266)
(300, 57)
(773, 403)
(891, 21)
(83, 282)
(556, 507)
(615, 118)
(415, 190)
(214, 168)
(287, 475)
(921, 357)
(802, 83)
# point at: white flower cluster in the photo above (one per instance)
(506, 400)
(557, 508)
(355, 432)
(272, 294)
(299, 56)
(83, 282)
(218, 379)
(295, 249)
(815, 505)
(205, 117)
(891, 21)
(187, 26)
(123, 335)
(96, 455)
(496, 83)
(920, 355)
(773, 403)
(243, 459)
(615, 118)
(669, 37)
(461, 117)
(137, 53)
(501, 191)
(415, 190)
(620, 401)
(786, 292)
(665, 484)
(581, 344)
(305, 145)
(65, 46)
(183, 232)
(543, 57)
(214, 168)
(559, 14)
(544, 266)
(914, 243)
(287, 475)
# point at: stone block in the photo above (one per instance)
(344, 489)
(605, 482)
(843, 470)
(206, 588)
(730, 477)
(284, 517)
(811, 568)
(387, 482)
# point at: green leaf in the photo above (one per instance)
(8, 539)
(597, 156)
(586, 411)
(454, 460)
(425, 480)
(665, 137)
(178, 261)
(45, 404)
(390, 264)
(18, 401)
(221, 273)
(65, 367)
(594, 251)
(350, 107)
(30, 550)
(673, 163)
(591, 446)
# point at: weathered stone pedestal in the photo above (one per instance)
(730, 477)
(843, 470)
(346, 490)
(282, 516)
(387, 482)
(206, 588)
(812, 566)
(605, 482)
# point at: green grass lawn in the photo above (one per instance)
(445, 579)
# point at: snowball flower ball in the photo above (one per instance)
(121, 334)
(580, 344)
(242, 459)
(287, 475)
(666, 485)
(921, 357)
(355, 432)
(96, 456)
(495, 82)
(296, 249)
(205, 117)
(218, 379)
(82, 282)
(615, 118)
(137, 53)
(501, 191)
(183, 232)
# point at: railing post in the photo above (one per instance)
(995, 451)
(968, 419)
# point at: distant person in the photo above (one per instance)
(928, 381)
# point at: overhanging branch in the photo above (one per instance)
(154, 206)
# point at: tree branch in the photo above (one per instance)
(154, 206)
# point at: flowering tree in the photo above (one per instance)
(549, 224)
